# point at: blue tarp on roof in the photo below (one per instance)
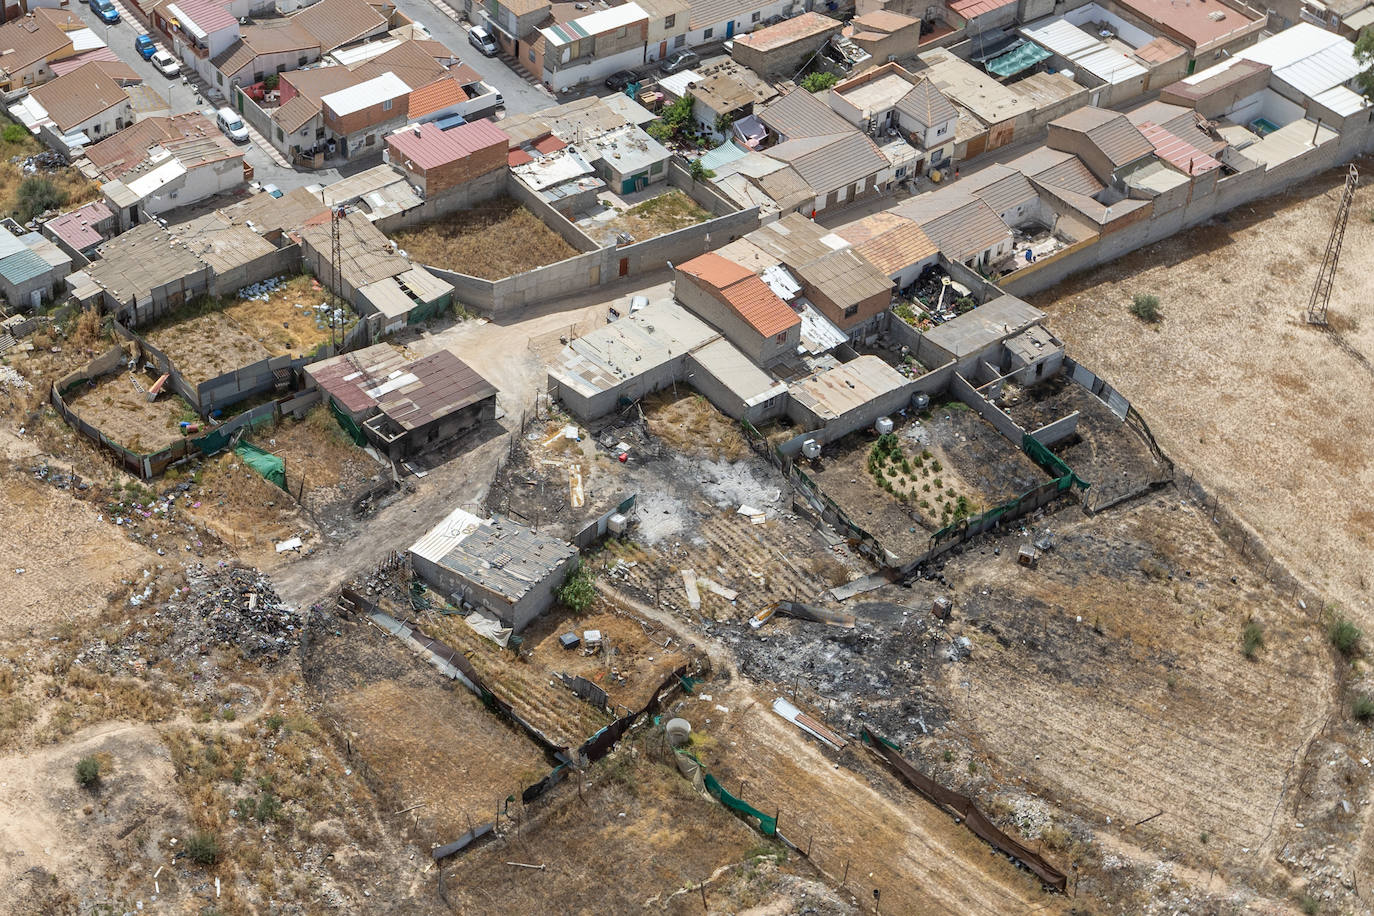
(724, 154)
(23, 266)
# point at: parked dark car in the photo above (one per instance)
(143, 44)
(679, 60)
(620, 79)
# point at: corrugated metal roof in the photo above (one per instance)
(1111, 133)
(23, 266)
(1341, 101)
(1179, 153)
(1005, 189)
(366, 94)
(429, 147)
(849, 386)
(598, 23)
(1084, 50)
(338, 22)
(801, 114)
(77, 227)
(845, 278)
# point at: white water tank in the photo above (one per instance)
(616, 524)
(811, 449)
(679, 731)
(883, 426)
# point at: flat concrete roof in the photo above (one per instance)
(735, 371)
(990, 323)
(630, 347)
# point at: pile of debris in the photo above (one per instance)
(231, 605)
(262, 290)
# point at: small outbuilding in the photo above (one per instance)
(494, 564)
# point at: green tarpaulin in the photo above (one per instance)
(1051, 462)
(265, 463)
(354, 431)
(768, 825)
(1013, 62)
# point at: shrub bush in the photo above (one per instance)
(1145, 306)
(578, 591)
(203, 848)
(1363, 708)
(819, 82)
(1252, 639)
(1345, 636)
(87, 772)
(37, 195)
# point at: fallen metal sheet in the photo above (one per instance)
(858, 586)
(808, 724)
(729, 594)
(689, 582)
(818, 614)
(464, 841)
(291, 543)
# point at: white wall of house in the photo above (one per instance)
(593, 69)
(218, 42)
(266, 64)
(744, 23)
(110, 121)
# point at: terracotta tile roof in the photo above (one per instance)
(118, 71)
(518, 157)
(429, 147)
(437, 96)
(337, 22)
(79, 96)
(318, 82)
(1158, 51)
(798, 28)
(969, 9)
(749, 296)
(715, 270)
(549, 144)
(296, 113)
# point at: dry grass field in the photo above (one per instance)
(668, 212)
(290, 322)
(490, 240)
(1240, 391)
(123, 412)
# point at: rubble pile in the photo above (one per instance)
(230, 605)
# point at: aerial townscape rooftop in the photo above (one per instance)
(722, 456)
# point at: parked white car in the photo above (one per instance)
(229, 121)
(166, 64)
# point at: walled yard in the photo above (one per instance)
(290, 316)
(966, 455)
(424, 738)
(226, 335)
(323, 466)
(1103, 450)
(121, 410)
(490, 240)
(658, 215)
(1238, 389)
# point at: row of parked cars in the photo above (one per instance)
(165, 63)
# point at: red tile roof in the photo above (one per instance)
(429, 147)
(437, 96)
(755, 302)
(549, 144)
(968, 9)
(518, 157)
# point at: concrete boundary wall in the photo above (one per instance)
(1232, 191)
(550, 217)
(989, 411)
(1116, 402)
(479, 190)
(593, 268)
(1057, 431)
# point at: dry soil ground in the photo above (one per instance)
(491, 240)
(1266, 410)
(290, 321)
(207, 345)
(122, 411)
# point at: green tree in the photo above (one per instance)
(675, 121)
(87, 772)
(819, 82)
(37, 195)
(578, 591)
(15, 133)
(699, 172)
(1364, 54)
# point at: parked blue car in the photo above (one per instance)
(106, 11)
(143, 44)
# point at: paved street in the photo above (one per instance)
(183, 96)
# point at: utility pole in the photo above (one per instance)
(1321, 292)
(336, 256)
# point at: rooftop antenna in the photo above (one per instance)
(1321, 292)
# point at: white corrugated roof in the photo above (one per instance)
(347, 57)
(1341, 101)
(447, 535)
(1292, 45)
(85, 40)
(594, 24)
(366, 94)
(1084, 50)
(676, 83)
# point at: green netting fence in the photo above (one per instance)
(768, 824)
(1052, 463)
(427, 311)
(265, 463)
(354, 431)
